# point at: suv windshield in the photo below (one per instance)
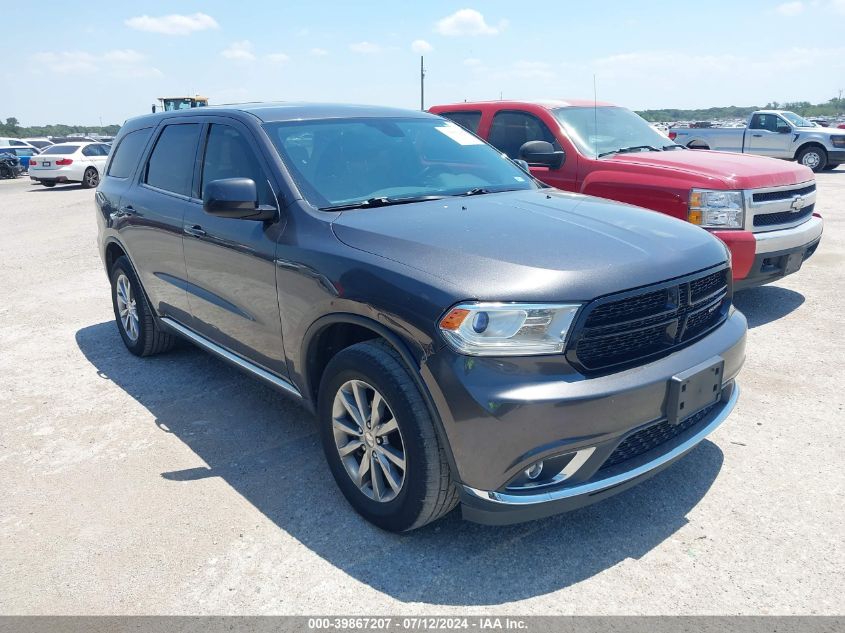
(797, 121)
(344, 162)
(608, 130)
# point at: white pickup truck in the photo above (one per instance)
(775, 133)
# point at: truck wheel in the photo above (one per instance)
(813, 157)
(135, 321)
(90, 179)
(831, 166)
(48, 184)
(380, 441)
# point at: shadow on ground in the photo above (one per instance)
(766, 303)
(265, 447)
(42, 189)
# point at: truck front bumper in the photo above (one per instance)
(760, 258)
(502, 415)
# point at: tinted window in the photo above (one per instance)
(91, 150)
(171, 165)
(511, 130)
(61, 149)
(128, 152)
(348, 161)
(229, 155)
(25, 151)
(468, 120)
(768, 122)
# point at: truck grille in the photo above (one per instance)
(768, 196)
(782, 217)
(651, 437)
(626, 329)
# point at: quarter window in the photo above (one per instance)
(467, 120)
(511, 130)
(171, 165)
(128, 152)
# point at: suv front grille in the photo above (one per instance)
(768, 196)
(782, 217)
(651, 437)
(629, 328)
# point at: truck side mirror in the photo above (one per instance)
(235, 198)
(782, 129)
(542, 154)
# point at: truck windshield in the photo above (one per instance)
(379, 161)
(608, 130)
(797, 121)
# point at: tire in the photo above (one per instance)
(426, 490)
(49, 184)
(91, 178)
(831, 166)
(142, 335)
(813, 157)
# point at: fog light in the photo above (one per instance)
(533, 471)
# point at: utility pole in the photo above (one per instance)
(422, 82)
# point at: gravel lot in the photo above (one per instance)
(178, 485)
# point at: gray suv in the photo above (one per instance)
(463, 333)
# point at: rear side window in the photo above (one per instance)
(467, 120)
(61, 149)
(128, 152)
(511, 130)
(171, 165)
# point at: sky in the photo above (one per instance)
(106, 62)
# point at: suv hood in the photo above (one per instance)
(539, 245)
(730, 170)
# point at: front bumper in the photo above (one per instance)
(502, 415)
(759, 258)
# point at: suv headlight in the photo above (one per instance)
(716, 209)
(508, 329)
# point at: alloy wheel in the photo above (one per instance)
(811, 160)
(368, 440)
(126, 307)
(92, 178)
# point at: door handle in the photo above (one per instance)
(196, 230)
(757, 135)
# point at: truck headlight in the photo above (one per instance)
(508, 329)
(716, 209)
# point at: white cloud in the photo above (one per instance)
(71, 62)
(319, 52)
(119, 62)
(125, 56)
(364, 47)
(421, 46)
(467, 22)
(278, 58)
(790, 8)
(239, 50)
(174, 24)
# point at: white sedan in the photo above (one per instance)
(70, 162)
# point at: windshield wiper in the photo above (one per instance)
(382, 201)
(673, 146)
(633, 148)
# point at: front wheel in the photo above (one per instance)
(813, 157)
(91, 178)
(380, 441)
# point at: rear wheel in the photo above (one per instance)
(813, 157)
(48, 184)
(91, 178)
(831, 166)
(380, 441)
(135, 321)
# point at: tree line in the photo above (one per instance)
(834, 107)
(12, 128)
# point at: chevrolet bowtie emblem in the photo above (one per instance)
(797, 204)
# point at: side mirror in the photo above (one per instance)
(784, 129)
(542, 153)
(234, 198)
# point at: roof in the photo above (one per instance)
(283, 111)
(543, 103)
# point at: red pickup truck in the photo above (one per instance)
(762, 208)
